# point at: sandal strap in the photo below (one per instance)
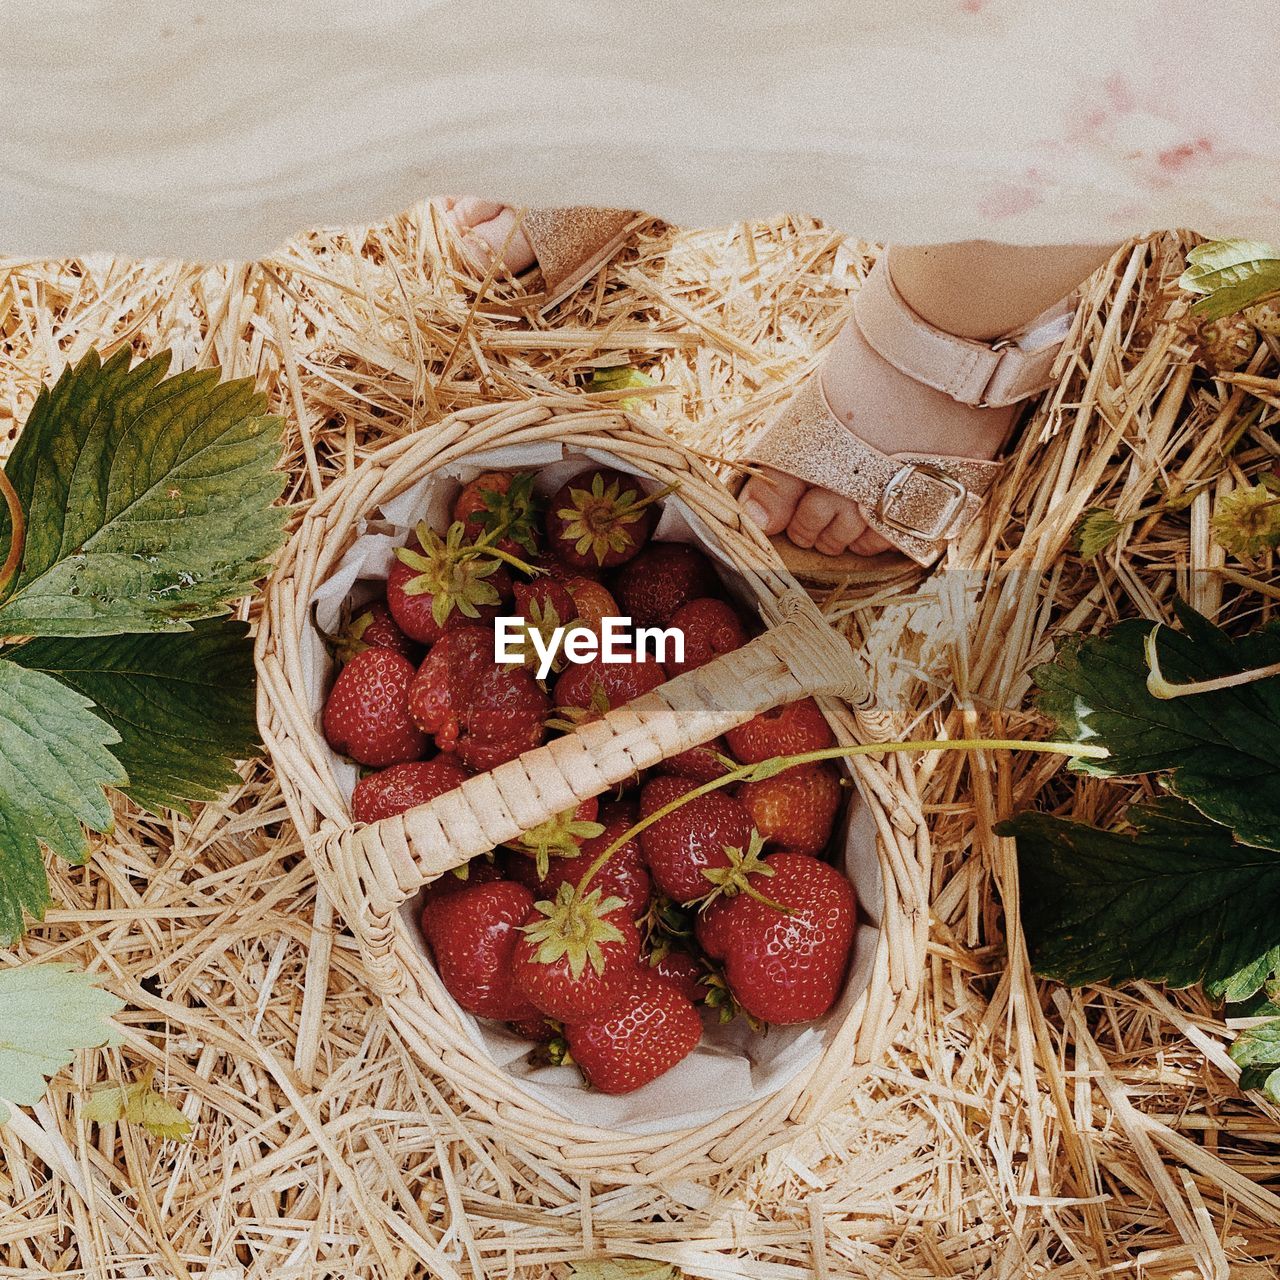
(984, 374)
(916, 501)
(565, 240)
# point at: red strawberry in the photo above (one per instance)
(645, 1035)
(683, 972)
(785, 966)
(374, 627)
(500, 504)
(784, 731)
(794, 810)
(662, 578)
(366, 715)
(600, 518)
(624, 876)
(576, 958)
(593, 601)
(442, 582)
(682, 847)
(561, 836)
(479, 870)
(710, 627)
(589, 689)
(403, 787)
(540, 1030)
(545, 605)
(487, 713)
(702, 764)
(473, 934)
(547, 594)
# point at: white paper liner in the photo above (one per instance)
(733, 1065)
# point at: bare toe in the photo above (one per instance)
(870, 544)
(845, 527)
(490, 231)
(769, 499)
(813, 513)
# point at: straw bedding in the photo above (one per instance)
(1014, 1129)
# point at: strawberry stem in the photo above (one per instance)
(767, 768)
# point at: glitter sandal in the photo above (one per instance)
(918, 502)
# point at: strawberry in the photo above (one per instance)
(374, 627)
(501, 504)
(588, 690)
(485, 713)
(682, 847)
(683, 972)
(366, 715)
(473, 934)
(592, 600)
(403, 787)
(702, 764)
(710, 627)
(624, 876)
(644, 1036)
(540, 1030)
(796, 809)
(784, 731)
(561, 836)
(577, 957)
(481, 870)
(662, 578)
(600, 518)
(444, 581)
(787, 965)
(545, 605)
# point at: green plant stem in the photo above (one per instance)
(778, 763)
(17, 532)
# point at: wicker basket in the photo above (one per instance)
(371, 872)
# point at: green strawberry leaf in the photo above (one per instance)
(54, 764)
(1257, 1053)
(149, 500)
(1175, 901)
(182, 703)
(1095, 531)
(47, 1012)
(1232, 275)
(1220, 745)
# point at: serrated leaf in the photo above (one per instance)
(1095, 531)
(182, 703)
(1231, 274)
(139, 1103)
(149, 500)
(623, 1269)
(1176, 901)
(621, 378)
(54, 764)
(1220, 746)
(47, 1013)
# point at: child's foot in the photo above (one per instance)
(488, 230)
(890, 411)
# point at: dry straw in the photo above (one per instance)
(1011, 1130)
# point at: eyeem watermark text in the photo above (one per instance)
(617, 641)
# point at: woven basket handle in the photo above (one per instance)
(382, 865)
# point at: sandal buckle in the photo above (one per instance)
(894, 492)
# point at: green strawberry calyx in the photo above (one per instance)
(729, 881)
(597, 519)
(512, 513)
(454, 572)
(561, 836)
(574, 928)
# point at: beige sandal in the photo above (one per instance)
(918, 502)
(570, 245)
